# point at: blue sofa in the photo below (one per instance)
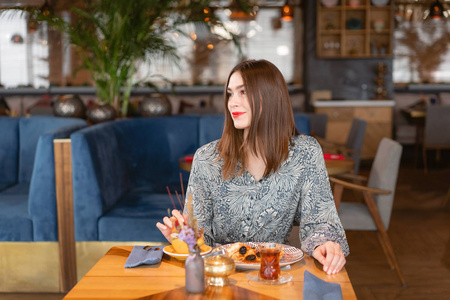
(27, 176)
(121, 170)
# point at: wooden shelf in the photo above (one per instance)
(337, 39)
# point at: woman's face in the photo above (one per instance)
(238, 104)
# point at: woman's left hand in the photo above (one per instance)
(330, 255)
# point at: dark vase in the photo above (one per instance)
(195, 272)
(155, 105)
(69, 106)
(101, 113)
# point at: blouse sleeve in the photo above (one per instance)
(201, 196)
(317, 215)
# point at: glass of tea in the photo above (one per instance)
(270, 261)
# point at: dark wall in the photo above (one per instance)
(343, 77)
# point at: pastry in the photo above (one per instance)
(241, 252)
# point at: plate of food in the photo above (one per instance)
(170, 250)
(246, 255)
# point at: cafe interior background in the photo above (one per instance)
(396, 53)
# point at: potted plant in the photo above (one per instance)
(112, 36)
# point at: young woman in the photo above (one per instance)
(262, 176)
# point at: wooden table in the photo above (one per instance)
(339, 166)
(416, 117)
(109, 279)
(334, 166)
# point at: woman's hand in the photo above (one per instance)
(166, 228)
(330, 255)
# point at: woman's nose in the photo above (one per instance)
(232, 101)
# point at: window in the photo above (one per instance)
(23, 52)
(205, 59)
(421, 51)
(208, 60)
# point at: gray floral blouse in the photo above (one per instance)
(241, 209)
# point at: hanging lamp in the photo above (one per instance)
(238, 14)
(287, 11)
(436, 10)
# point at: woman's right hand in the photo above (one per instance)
(166, 228)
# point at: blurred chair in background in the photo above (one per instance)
(318, 124)
(353, 145)
(375, 213)
(436, 132)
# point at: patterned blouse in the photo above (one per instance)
(241, 209)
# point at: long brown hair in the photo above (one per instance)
(272, 126)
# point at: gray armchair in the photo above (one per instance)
(353, 145)
(318, 124)
(374, 213)
(436, 132)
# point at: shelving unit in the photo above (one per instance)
(354, 31)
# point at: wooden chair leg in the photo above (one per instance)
(385, 250)
(383, 234)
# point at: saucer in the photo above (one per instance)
(169, 250)
(285, 277)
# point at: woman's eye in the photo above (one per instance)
(243, 92)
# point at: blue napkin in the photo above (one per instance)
(315, 288)
(144, 255)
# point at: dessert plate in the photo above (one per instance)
(291, 255)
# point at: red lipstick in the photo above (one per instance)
(237, 114)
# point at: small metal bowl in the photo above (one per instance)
(218, 268)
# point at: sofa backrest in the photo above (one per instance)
(151, 148)
(30, 129)
(211, 126)
(42, 193)
(111, 158)
(302, 123)
(97, 167)
(9, 150)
